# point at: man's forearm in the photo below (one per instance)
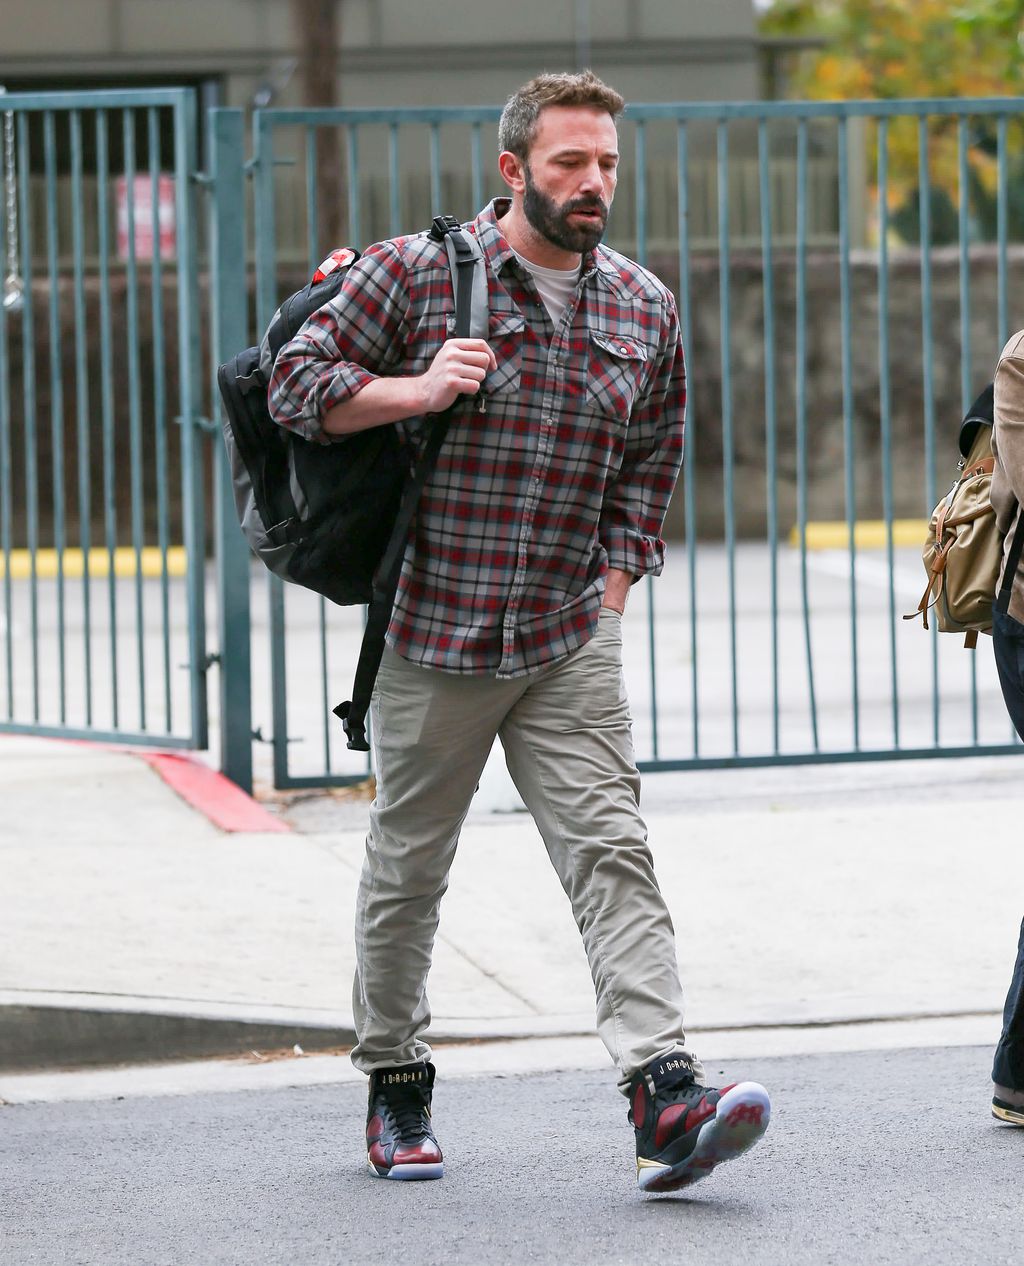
(381, 401)
(459, 368)
(616, 589)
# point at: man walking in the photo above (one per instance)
(546, 504)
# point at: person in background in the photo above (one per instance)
(1008, 644)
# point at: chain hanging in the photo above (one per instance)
(14, 287)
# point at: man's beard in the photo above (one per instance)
(552, 221)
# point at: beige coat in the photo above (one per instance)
(1008, 448)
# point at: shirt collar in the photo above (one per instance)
(499, 253)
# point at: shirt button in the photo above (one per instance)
(624, 351)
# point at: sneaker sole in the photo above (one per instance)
(408, 1173)
(741, 1118)
(1003, 1112)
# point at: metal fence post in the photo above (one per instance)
(229, 290)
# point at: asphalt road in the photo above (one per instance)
(881, 1157)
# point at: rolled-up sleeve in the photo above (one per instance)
(356, 337)
(636, 502)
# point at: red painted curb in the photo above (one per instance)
(206, 790)
(216, 797)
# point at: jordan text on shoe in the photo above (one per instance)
(400, 1141)
(683, 1130)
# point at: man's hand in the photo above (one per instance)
(458, 369)
(616, 589)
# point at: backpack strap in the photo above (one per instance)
(469, 281)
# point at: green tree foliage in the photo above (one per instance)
(895, 49)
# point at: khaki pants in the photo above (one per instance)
(566, 734)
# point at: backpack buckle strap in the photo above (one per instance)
(442, 225)
(354, 726)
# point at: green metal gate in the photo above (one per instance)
(102, 539)
(846, 274)
(876, 239)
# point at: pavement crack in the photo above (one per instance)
(491, 975)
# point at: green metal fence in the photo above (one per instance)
(846, 275)
(830, 358)
(102, 629)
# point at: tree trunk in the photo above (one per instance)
(318, 30)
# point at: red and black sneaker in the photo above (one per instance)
(683, 1130)
(399, 1140)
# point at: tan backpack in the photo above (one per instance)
(964, 547)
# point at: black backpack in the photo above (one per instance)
(335, 517)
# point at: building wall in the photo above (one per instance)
(392, 52)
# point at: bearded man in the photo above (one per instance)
(545, 506)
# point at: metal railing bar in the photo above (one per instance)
(355, 227)
(885, 408)
(134, 406)
(56, 402)
(477, 167)
(849, 435)
(313, 252)
(266, 301)
(928, 372)
(6, 467)
(641, 257)
(728, 440)
(770, 415)
(1002, 228)
(675, 111)
(827, 757)
(435, 171)
(107, 399)
(82, 401)
(160, 408)
(98, 99)
(966, 389)
(29, 400)
(189, 388)
(328, 715)
(394, 183)
(801, 411)
(689, 448)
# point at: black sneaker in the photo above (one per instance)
(684, 1130)
(399, 1140)
(1008, 1104)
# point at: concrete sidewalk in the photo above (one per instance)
(134, 928)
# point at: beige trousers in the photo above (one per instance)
(568, 745)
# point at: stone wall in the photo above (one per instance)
(901, 356)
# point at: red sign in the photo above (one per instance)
(145, 221)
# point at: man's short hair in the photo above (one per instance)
(518, 124)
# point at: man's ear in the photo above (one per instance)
(511, 169)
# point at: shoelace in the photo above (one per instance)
(408, 1108)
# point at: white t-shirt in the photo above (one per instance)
(555, 286)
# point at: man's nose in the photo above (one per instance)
(592, 180)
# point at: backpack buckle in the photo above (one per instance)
(442, 225)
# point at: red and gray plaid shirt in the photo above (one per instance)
(562, 467)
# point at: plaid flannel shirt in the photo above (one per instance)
(562, 467)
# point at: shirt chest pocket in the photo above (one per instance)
(505, 339)
(616, 372)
